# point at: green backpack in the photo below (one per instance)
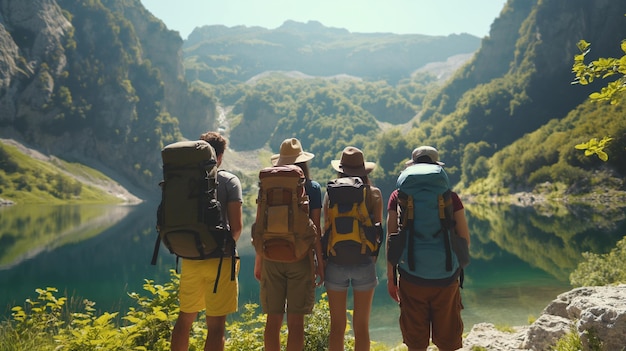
(189, 217)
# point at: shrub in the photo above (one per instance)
(48, 323)
(601, 269)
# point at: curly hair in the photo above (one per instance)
(218, 141)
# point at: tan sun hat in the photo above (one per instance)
(291, 153)
(352, 163)
(421, 151)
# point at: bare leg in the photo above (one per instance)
(180, 334)
(215, 336)
(295, 327)
(361, 319)
(272, 331)
(338, 319)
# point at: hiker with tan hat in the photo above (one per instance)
(288, 285)
(353, 210)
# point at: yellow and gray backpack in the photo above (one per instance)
(350, 234)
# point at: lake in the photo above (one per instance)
(521, 258)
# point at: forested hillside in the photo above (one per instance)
(533, 86)
(218, 55)
(517, 82)
(106, 84)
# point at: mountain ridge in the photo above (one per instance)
(113, 98)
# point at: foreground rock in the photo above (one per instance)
(598, 312)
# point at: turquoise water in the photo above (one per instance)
(521, 259)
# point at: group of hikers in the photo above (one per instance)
(304, 238)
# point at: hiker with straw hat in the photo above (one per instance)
(290, 287)
(351, 264)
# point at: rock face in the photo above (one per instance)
(98, 83)
(597, 314)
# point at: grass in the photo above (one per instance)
(28, 180)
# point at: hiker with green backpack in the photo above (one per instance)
(427, 250)
(211, 284)
(353, 211)
(286, 238)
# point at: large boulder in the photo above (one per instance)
(597, 314)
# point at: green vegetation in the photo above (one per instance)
(602, 269)
(613, 91)
(24, 179)
(572, 342)
(601, 68)
(122, 95)
(220, 55)
(547, 155)
(595, 146)
(58, 323)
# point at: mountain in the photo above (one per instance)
(520, 80)
(217, 54)
(106, 84)
(96, 82)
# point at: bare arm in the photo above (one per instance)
(392, 222)
(462, 229)
(392, 227)
(235, 219)
(378, 205)
(315, 216)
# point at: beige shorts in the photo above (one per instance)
(288, 287)
(197, 281)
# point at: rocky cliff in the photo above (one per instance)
(99, 83)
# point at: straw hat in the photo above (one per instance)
(352, 163)
(291, 153)
(421, 151)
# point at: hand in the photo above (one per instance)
(392, 289)
(258, 264)
(319, 272)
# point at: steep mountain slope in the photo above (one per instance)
(520, 78)
(97, 82)
(102, 82)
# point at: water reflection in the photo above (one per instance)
(521, 258)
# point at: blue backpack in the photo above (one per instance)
(427, 245)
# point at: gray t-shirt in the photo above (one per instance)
(228, 190)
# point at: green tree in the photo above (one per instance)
(601, 269)
(612, 92)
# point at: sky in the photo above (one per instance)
(428, 17)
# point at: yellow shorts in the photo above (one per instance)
(197, 280)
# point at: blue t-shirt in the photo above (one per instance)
(314, 191)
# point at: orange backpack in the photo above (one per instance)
(283, 231)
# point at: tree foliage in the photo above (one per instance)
(612, 92)
(604, 67)
(602, 269)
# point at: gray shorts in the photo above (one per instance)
(361, 276)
